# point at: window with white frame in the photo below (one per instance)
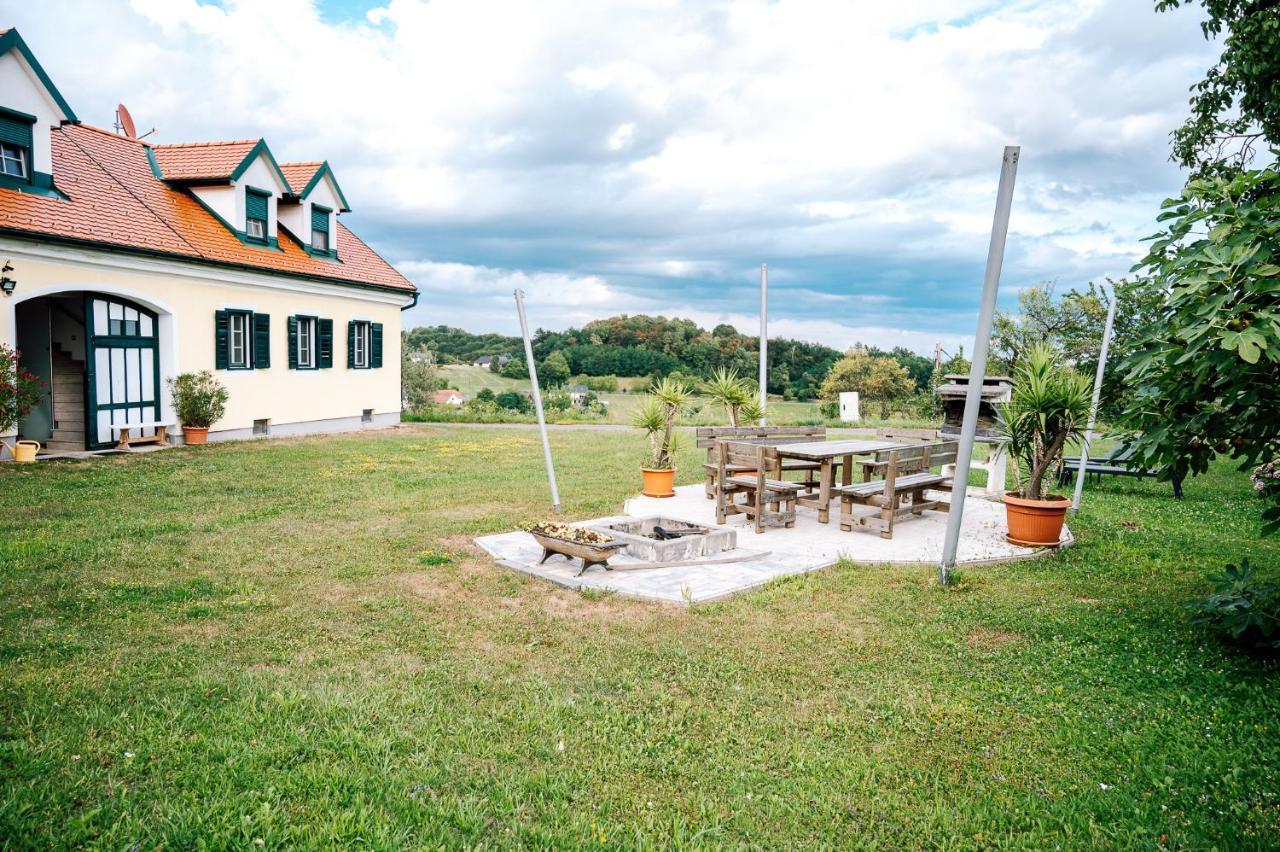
(238, 345)
(13, 160)
(306, 345)
(360, 345)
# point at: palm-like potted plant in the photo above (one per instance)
(735, 396)
(658, 415)
(200, 401)
(1047, 410)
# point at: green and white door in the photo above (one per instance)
(123, 365)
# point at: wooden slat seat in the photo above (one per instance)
(708, 437)
(898, 495)
(915, 480)
(770, 499)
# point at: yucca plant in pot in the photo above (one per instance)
(200, 401)
(1047, 410)
(657, 416)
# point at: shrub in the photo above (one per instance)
(1243, 607)
(1266, 479)
(558, 399)
(20, 391)
(1048, 408)
(513, 401)
(419, 379)
(199, 399)
(514, 369)
(658, 416)
(486, 395)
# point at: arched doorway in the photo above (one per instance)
(99, 356)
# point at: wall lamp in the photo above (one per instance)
(7, 284)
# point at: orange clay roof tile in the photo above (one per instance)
(115, 199)
(299, 174)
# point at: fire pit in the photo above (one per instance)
(661, 539)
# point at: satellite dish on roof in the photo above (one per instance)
(124, 122)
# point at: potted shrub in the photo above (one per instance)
(20, 391)
(1047, 410)
(657, 416)
(200, 401)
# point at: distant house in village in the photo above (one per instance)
(482, 361)
(135, 261)
(578, 393)
(447, 397)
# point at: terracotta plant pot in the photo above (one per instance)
(659, 483)
(195, 434)
(1035, 523)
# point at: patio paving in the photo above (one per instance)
(778, 552)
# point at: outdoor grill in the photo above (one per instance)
(661, 539)
(995, 389)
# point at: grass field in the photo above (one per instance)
(622, 406)
(293, 643)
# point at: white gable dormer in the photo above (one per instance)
(30, 106)
(313, 214)
(249, 201)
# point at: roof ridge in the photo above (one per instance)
(304, 163)
(207, 144)
(162, 220)
(110, 133)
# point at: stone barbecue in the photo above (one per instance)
(661, 539)
(995, 389)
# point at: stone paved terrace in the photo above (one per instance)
(779, 552)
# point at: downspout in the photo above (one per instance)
(412, 304)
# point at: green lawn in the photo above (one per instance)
(295, 641)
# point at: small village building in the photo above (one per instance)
(578, 394)
(448, 397)
(130, 262)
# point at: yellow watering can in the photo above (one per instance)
(25, 451)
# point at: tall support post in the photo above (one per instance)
(764, 339)
(978, 370)
(537, 401)
(1093, 408)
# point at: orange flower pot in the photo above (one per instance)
(1035, 523)
(659, 483)
(193, 435)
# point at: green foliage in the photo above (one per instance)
(419, 378)
(1204, 372)
(554, 370)
(199, 399)
(1048, 408)
(729, 391)
(876, 378)
(514, 401)
(1237, 104)
(20, 391)
(557, 399)
(514, 369)
(455, 346)
(657, 416)
(600, 384)
(1243, 607)
(486, 395)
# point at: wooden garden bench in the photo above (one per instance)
(131, 433)
(763, 487)
(900, 494)
(709, 436)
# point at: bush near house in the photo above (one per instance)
(20, 391)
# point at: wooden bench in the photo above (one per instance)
(131, 433)
(900, 494)
(709, 436)
(762, 488)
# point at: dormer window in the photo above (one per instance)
(320, 228)
(256, 205)
(15, 144)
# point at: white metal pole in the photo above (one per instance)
(1093, 409)
(764, 339)
(537, 401)
(978, 370)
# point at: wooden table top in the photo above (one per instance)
(819, 450)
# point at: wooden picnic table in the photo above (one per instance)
(827, 452)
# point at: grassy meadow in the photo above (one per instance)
(293, 642)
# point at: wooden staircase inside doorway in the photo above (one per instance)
(68, 403)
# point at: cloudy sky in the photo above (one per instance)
(647, 156)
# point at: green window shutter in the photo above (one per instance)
(319, 219)
(375, 345)
(221, 328)
(255, 205)
(351, 346)
(261, 341)
(325, 342)
(293, 343)
(16, 131)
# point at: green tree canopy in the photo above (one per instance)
(876, 378)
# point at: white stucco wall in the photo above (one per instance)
(187, 296)
(297, 217)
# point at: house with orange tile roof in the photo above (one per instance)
(127, 262)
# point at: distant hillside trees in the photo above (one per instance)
(456, 346)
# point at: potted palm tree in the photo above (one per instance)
(200, 401)
(658, 416)
(735, 396)
(1047, 409)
